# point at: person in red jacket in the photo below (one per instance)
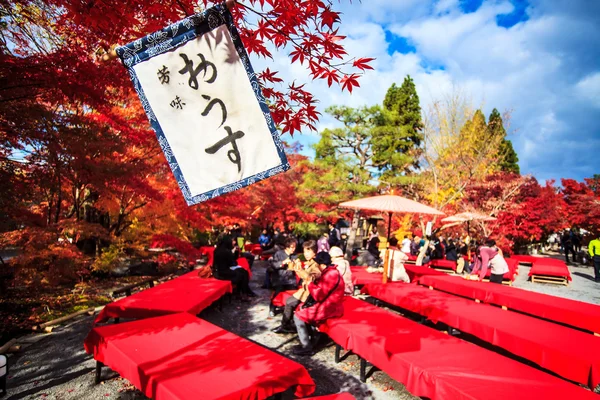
(328, 295)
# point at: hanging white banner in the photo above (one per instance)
(203, 100)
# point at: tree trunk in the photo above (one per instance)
(58, 200)
(352, 236)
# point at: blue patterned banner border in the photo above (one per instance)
(172, 37)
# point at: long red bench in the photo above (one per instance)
(443, 264)
(525, 259)
(361, 277)
(570, 353)
(415, 273)
(437, 366)
(181, 357)
(565, 311)
(188, 293)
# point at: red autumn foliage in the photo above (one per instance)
(183, 247)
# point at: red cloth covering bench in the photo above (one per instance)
(360, 276)
(281, 298)
(549, 270)
(181, 357)
(525, 258)
(415, 273)
(188, 293)
(565, 311)
(437, 366)
(445, 264)
(411, 259)
(570, 353)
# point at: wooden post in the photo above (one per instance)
(386, 265)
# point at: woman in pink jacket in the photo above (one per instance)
(328, 295)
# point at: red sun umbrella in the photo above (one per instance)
(391, 204)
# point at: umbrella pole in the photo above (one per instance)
(389, 226)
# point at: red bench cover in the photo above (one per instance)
(570, 353)
(188, 293)
(281, 298)
(570, 312)
(550, 267)
(525, 258)
(360, 276)
(443, 264)
(181, 357)
(415, 273)
(437, 366)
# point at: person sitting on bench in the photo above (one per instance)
(307, 274)
(325, 302)
(226, 268)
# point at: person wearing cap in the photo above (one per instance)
(343, 267)
(327, 294)
(308, 273)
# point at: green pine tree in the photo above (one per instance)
(509, 161)
(398, 133)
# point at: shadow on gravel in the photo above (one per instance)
(585, 276)
(53, 361)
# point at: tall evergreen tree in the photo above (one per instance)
(398, 133)
(509, 161)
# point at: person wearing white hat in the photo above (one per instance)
(343, 267)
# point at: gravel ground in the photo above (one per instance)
(55, 366)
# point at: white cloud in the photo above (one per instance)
(545, 69)
(589, 89)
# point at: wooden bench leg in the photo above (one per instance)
(117, 320)
(99, 366)
(338, 350)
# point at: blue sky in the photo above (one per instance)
(538, 59)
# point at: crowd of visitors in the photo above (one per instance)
(320, 275)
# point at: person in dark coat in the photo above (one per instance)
(451, 253)
(334, 236)
(226, 268)
(282, 276)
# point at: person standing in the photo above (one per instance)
(567, 243)
(334, 235)
(594, 250)
(323, 243)
(406, 245)
(415, 246)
